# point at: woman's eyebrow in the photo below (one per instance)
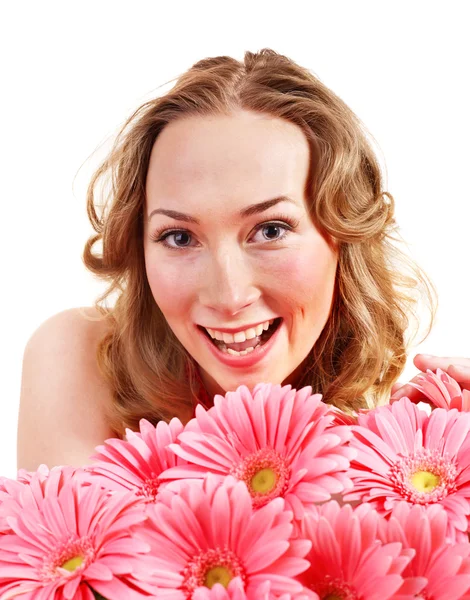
(253, 209)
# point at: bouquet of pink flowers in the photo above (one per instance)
(269, 495)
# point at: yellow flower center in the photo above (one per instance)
(73, 563)
(425, 481)
(264, 481)
(217, 574)
(215, 565)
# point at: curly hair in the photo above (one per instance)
(362, 348)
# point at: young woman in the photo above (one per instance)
(248, 238)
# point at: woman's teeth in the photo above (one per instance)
(241, 353)
(242, 342)
(240, 336)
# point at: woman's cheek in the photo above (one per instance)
(171, 287)
(309, 273)
(303, 269)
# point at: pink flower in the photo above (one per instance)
(69, 536)
(136, 463)
(405, 454)
(442, 391)
(235, 591)
(279, 441)
(43, 482)
(347, 560)
(443, 567)
(343, 418)
(43, 470)
(210, 533)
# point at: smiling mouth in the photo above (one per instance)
(248, 345)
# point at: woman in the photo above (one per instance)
(246, 199)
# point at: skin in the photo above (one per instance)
(228, 272)
(457, 367)
(211, 168)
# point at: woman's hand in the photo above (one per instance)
(457, 367)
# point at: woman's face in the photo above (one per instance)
(234, 252)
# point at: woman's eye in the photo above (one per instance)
(181, 238)
(272, 231)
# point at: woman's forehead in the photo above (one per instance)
(247, 159)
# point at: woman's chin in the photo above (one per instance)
(249, 380)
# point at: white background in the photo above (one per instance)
(73, 71)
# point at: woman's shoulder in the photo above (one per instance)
(76, 329)
(85, 319)
(91, 320)
(62, 413)
(71, 337)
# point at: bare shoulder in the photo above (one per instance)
(63, 394)
(85, 321)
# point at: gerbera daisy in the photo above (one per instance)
(405, 454)
(343, 418)
(442, 391)
(136, 462)
(43, 482)
(64, 541)
(279, 441)
(210, 533)
(445, 567)
(235, 591)
(25, 476)
(348, 561)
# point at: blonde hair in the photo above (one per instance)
(362, 348)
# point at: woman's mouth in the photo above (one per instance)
(247, 346)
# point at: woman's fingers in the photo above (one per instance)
(407, 390)
(457, 367)
(426, 361)
(461, 374)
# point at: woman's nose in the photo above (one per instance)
(228, 284)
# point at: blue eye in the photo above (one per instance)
(182, 237)
(161, 237)
(274, 226)
(179, 234)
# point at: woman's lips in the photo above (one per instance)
(247, 360)
(236, 329)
